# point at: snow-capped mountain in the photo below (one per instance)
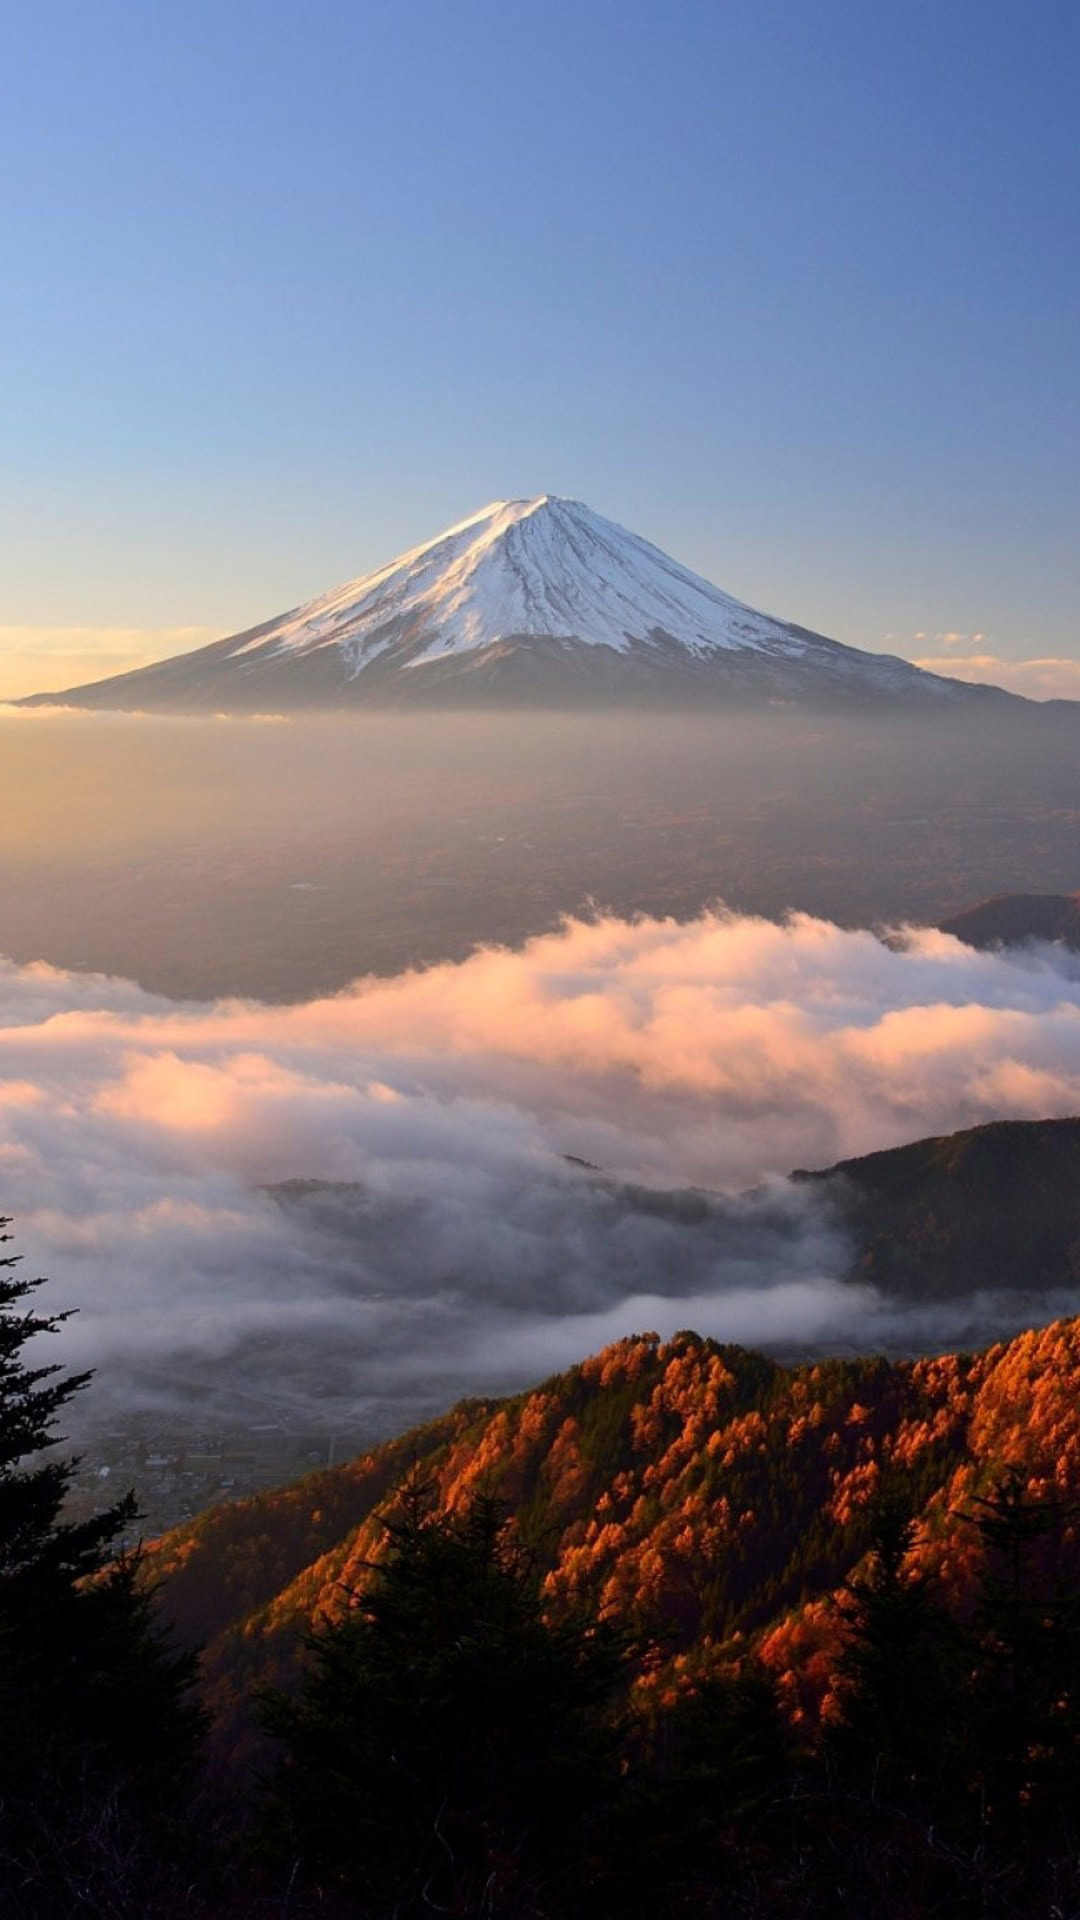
(528, 603)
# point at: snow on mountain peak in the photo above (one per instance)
(540, 567)
(526, 603)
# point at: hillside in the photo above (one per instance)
(708, 1498)
(1017, 919)
(990, 1208)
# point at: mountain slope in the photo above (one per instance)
(535, 602)
(695, 1492)
(988, 1208)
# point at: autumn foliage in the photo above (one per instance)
(710, 1501)
(847, 1595)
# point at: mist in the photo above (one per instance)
(352, 1209)
(282, 859)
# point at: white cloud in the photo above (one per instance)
(1049, 679)
(972, 641)
(138, 1138)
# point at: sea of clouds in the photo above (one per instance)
(458, 1179)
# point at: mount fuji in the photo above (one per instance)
(530, 604)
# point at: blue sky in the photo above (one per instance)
(794, 290)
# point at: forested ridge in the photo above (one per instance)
(987, 1208)
(842, 1614)
(706, 1497)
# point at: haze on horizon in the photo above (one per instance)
(279, 858)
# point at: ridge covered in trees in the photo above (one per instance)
(701, 1494)
(988, 1208)
(845, 1598)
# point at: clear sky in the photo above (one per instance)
(792, 289)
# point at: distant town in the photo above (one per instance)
(176, 1472)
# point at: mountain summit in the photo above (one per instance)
(528, 603)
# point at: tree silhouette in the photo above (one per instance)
(899, 1669)
(452, 1749)
(1024, 1713)
(97, 1726)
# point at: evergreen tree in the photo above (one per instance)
(452, 1750)
(706, 1775)
(97, 1727)
(898, 1669)
(1023, 1729)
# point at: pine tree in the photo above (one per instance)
(707, 1773)
(1024, 1710)
(452, 1748)
(897, 1669)
(97, 1724)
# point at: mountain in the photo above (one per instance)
(1018, 919)
(709, 1499)
(529, 603)
(990, 1208)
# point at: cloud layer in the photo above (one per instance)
(374, 1201)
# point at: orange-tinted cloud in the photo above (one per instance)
(1039, 679)
(47, 659)
(447, 1241)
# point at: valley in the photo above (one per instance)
(281, 860)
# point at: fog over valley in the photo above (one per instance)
(346, 1211)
